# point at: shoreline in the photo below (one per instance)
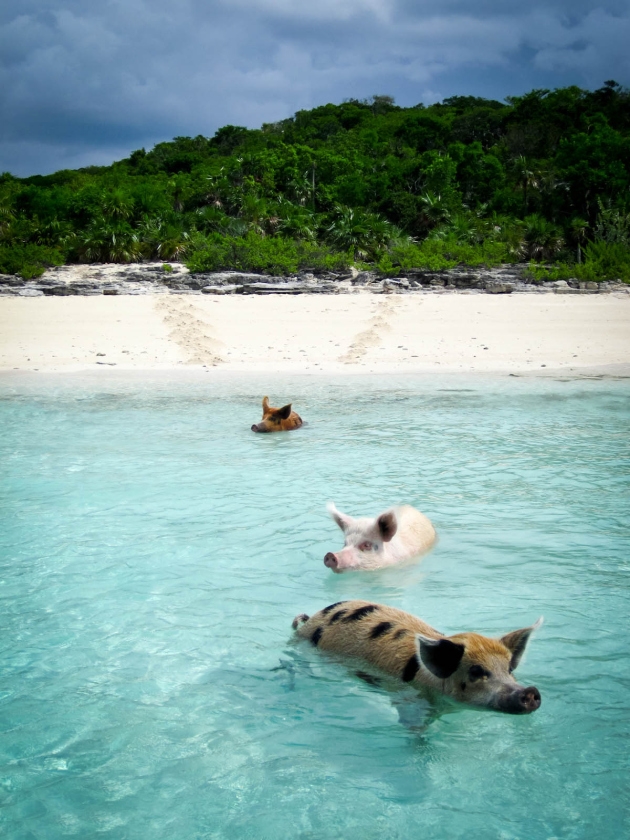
(122, 379)
(318, 334)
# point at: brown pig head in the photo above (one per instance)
(277, 419)
(478, 670)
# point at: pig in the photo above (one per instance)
(397, 534)
(277, 419)
(472, 669)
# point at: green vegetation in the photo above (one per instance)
(542, 179)
(604, 261)
(271, 254)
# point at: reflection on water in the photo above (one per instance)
(154, 552)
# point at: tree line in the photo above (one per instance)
(542, 178)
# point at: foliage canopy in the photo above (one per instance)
(544, 177)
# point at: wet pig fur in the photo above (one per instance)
(467, 667)
(277, 419)
(392, 537)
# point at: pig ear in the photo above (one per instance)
(341, 519)
(440, 656)
(387, 525)
(516, 642)
(265, 404)
(284, 413)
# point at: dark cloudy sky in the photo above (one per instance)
(86, 82)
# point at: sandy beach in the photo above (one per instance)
(318, 333)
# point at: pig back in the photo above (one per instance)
(415, 532)
(375, 633)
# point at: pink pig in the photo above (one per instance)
(398, 534)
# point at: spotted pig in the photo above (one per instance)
(470, 668)
(277, 419)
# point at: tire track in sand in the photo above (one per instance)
(372, 336)
(189, 331)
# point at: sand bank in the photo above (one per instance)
(320, 333)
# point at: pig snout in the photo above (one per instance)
(342, 561)
(258, 427)
(346, 560)
(523, 701)
(529, 699)
(331, 562)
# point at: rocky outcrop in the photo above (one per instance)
(156, 278)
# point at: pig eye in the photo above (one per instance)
(476, 672)
(366, 546)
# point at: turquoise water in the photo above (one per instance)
(154, 552)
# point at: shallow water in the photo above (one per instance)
(154, 552)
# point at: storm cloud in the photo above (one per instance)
(84, 84)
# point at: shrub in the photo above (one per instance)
(441, 254)
(602, 261)
(429, 255)
(365, 234)
(540, 273)
(106, 240)
(606, 261)
(163, 238)
(320, 257)
(28, 260)
(269, 255)
(542, 239)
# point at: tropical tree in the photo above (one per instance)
(542, 240)
(164, 238)
(54, 232)
(526, 176)
(433, 210)
(6, 217)
(117, 204)
(462, 228)
(612, 224)
(109, 241)
(366, 234)
(579, 228)
(296, 222)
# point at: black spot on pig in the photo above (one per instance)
(337, 616)
(411, 669)
(361, 612)
(380, 629)
(326, 610)
(316, 636)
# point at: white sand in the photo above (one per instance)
(360, 333)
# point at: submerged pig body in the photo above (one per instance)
(277, 419)
(468, 667)
(392, 537)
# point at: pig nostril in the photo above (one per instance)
(330, 560)
(530, 698)
(254, 428)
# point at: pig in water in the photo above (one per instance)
(467, 667)
(393, 536)
(277, 419)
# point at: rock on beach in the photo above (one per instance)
(154, 278)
